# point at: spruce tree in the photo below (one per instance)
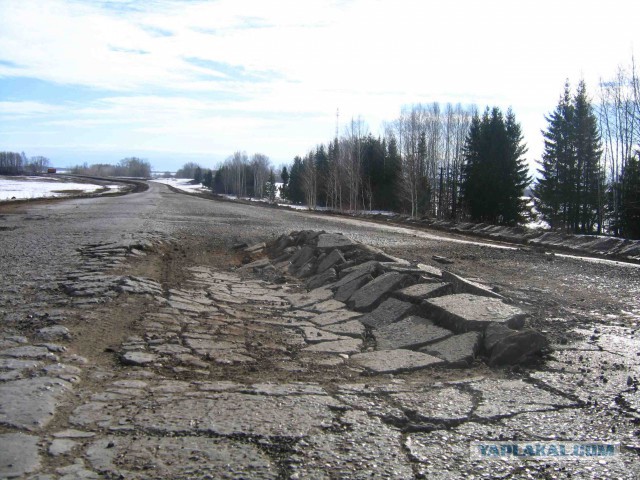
(518, 172)
(569, 192)
(295, 190)
(197, 175)
(392, 175)
(551, 190)
(631, 199)
(495, 171)
(472, 169)
(588, 187)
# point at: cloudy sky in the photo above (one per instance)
(177, 80)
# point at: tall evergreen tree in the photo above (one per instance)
(270, 186)
(558, 156)
(208, 180)
(589, 176)
(284, 176)
(630, 206)
(495, 171)
(472, 184)
(569, 193)
(295, 190)
(392, 173)
(517, 179)
(197, 175)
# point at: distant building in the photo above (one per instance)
(51, 170)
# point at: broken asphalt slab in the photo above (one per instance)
(394, 361)
(465, 312)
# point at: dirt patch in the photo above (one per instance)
(99, 331)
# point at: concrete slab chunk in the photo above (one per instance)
(393, 361)
(331, 260)
(412, 332)
(179, 457)
(31, 403)
(389, 311)
(518, 347)
(314, 335)
(332, 241)
(347, 290)
(306, 270)
(256, 248)
(258, 264)
(347, 277)
(355, 452)
(326, 306)
(370, 266)
(229, 413)
(370, 295)
(61, 446)
(463, 285)
(448, 403)
(29, 351)
(506, 397)
(321, 279)
(353, 328)
(301, 300)
(335, 316)
(464, 312)
(301, 257)
(422, 291)
(18, 455)
(430, 270)
(139, 359)
(494, 333)
(54, 333)
(457, 350)
(349, 346)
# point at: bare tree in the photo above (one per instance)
(408, 131)
(619, 116)
(12, 163)
(260, 168)
(38, 165)
(310, 180)
(335, 176)
(351, 156)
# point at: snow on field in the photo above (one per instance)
(183, 184)
(20, 188)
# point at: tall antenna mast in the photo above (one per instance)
(337, 120)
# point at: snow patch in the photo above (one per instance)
(21, 188)
(182, 184)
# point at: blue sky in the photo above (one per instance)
(175, 81)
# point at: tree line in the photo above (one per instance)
(245, 176)
(13, 163)
(618, 113)
(589, 176)
(453, 163)
(445, 162)
(127, 167)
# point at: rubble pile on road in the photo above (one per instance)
(417, 315)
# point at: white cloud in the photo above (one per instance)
(26, 108)
(247, 67)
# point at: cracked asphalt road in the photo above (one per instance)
(133, 346)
